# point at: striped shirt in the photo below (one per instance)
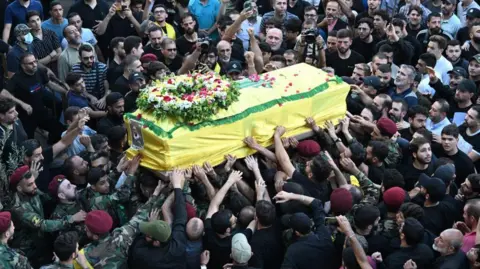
(94, 78)
(43, 47)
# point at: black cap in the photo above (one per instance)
(434, 186)
(135, 76)
(446, 173)
(459, 71)
(467, 85)
(234, 66)
(299, 222)
(112, 98)
(473, 13)
(372, 81)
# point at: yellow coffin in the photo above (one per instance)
(296, 92)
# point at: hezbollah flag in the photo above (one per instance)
(282, 97)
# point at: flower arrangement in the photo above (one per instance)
(189, 98)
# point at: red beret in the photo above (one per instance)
(54, 184)
(387, 126)
(5, 221)
(18, 175)
(341, 201)
(191, 211)
(308, 148)
(149, 57)
(98, 222)
(394, 197)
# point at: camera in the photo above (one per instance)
(310, 35)
(124, 7)
(204, 43)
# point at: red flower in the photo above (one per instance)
(145, 126)
(190, 98)
(139, 116)
(285, 90)
(298, 91)
(167, 98)
(155, 90)
(170, 81)
(309, 89)
(295, 75)
(290, 84)
(280, 104)
(264, 85)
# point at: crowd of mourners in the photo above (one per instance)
(393, 184)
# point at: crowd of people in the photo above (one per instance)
(392, 185)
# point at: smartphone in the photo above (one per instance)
(124, 7)
(247, 5)
(331, 219)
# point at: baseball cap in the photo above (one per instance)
(467, 85)
(134, 77)
(241, 250)
(372, 81)
(234, 66)
(434, 186)
(476, 58)
(158, 230)
(473, 13)
(299, 222)
(459, 71)
(446, 173)
(21, 29)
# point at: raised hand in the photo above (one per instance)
(251, 162)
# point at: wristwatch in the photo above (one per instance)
(338, 140)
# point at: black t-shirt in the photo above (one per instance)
(121, 85)
(298, 9)
(463, 35)
(108, 122)
(131, 101)
(112, 72)
(149, 49)
(421, 254)
(90, 16)
(318, 190)
(473, 140)
(29, 89)
(463, 165)
(414, 32)
(406, 133)
(174, 65)
(45, 177)
(438, 218)
(267, 244)
(184, 46)
(344, 67)
(411, 174)
(365, 49)
(122, 27)
(375, 173)
(237, 49)
(220, 248)
(467, 54)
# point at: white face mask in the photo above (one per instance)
(28, 38)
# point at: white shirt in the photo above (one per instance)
(462, 12)
(436, 128)
(424, 85)
(442, 67)
(243, 33)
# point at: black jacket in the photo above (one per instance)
(402, 51)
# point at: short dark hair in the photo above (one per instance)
(32, 13)
(365, 216)
(333, 33)
(321, 169)
(385, 48)
(71, 112)
(30, 146)
(344, 33)
(415, 110)
(429, 59)
(418, 9)
(444, 106)
(412, 210)
(278, 58)
(25, 55)
(95, 174)
(403, 102)
(68, 167)
(55, 3)
(392, 178)
(376, 114)
(425, 133)
(264, 47)
(221, 221)
(453, 42)
(157, 6)
(413, 231)
(115, 41)
(131, 42)
(186, 15)
(366, 20)
(476, 108)
(440, 40)
(385, 68)
(265, 212)
(293, 25)
(98, 140)
(433, 15)
(73, 14)
(6, 104)
(65, 245)
(383, 14)
(379, 149)
(72, 78)
(84, 47)
(116, 135)
(307, 9)
(358, 153)
(153, 28)
(451, 129)
(417, 143)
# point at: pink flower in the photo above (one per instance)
(190, 98)
(290, 84)
(167, 98)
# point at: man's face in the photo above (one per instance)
(160, 14)
(37, 155)
(290, 58)
(88, 58)
(136, 8)
(449, 142)
(30, 64)
(9, 117)
(474, 68)
(76, 21)
(137, 66)
(72, 35)
(79, 86)
(433, 48)
(224, 52)
(454, 80)
(462, 96)
(274, 39)
(28, 186)
(471, 21)
(137, 85)
(291, 36)
(418, 122)
(402, 78)
(117, 109)
(466, 188)
(120, 51)
(378, 22)
(310, 15)
(80, 166)
(57, 12)
(35, 23)
(331, 11)
(332, 44)
(377, 62)
(67, 189)
(414, 18)
(102, 186)
(421, 67)
(384, 77)
(453, 53)
(280, 6)
(368, 156)
(396, 114)
(343, 44)
(373, 4)
(103, 163)
(434, 25)
(376, 134)
(188, 25)
(441, 244)
(138, 51)
(435, 112)
(364, 30)
(211, 59)
(358, 73)
(379, 103)
(447, 8)
(367, 115)
(424, 154)
(156, 39)
(471, 119)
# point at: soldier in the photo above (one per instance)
(28, 213)
(66, 251)
(8, 257)
(110, 250)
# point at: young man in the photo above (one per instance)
(450, 22)
(454, 54)
(345, 59)
(23, 44)
(136, 82)
(160, 15)
(415, 25)
(279, 12)
(470, 131)
(186, 42)
(116, 45)
(436, 45)
(364, 43)
(115, 108)
(417, 116)
(419, 162)
(57, 22)
(398, 112)
(45, 45)
(16, 13)
(130, 64)
(65, 248)
(434, 22)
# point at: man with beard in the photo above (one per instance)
(470, 189)
(115, 109)
(426, 62)
(332, 42)
(474, 47)
(415, 24)
(345, 59)
(471, 214)
(274, 38)
(420, 161)
(45, 45)
(130, 65)
(23, 44)
(224, 50)
(332, 21)
(438, 118)
(450, 22)
(10, 258)
(361, 96)
(160, 15)
(403, 83)
(11, 127)
(398, 113)
(417, 116)
(453, 53)
(32, 237)
(94, 74)
(470, 131)
(376, 153)
(155, 36)
(457, 74)
(116, 45)
(169, 55)
(186, 42)
(384, 73)
(279, 12)
(474, 69)
(472, 17)
(373, 5)
(403, 51)
(400, 26)
(76, 168)
(86, 34)
(448, 244)
(434, 22)
(364, 43)
(136, 82)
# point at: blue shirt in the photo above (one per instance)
(409, 96)
(436, 128)
(13, 57)
(74, 99)
(206, 14)
(56, 28)
(76, 147)
(87, 37)
(17, 14)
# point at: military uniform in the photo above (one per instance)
(111, 252)
(57, 265)
(394, 154)
(10, 259)
(32, 229)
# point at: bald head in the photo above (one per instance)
(274, 38)
(194, 229)
(455, 237)
(449, 241)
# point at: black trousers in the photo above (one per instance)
(44, 120)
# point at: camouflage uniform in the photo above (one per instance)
(371, 193)
(57, 265)
(68, 209)
(111, 252)
(10, 259)
(111, 203)
(32, 229)
(394, 154)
